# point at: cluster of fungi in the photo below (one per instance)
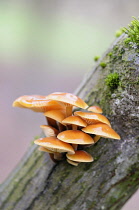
(68, 132)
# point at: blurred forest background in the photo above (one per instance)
(48, 46)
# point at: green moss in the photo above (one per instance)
(137, 82)
(106, 96)
(119, 32)
(103, 65)
(96, 58)
(112, 200)
(112, 81)
(36, 137)
(132, 31)
(110, 54)
(115, 48)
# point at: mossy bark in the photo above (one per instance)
(113, 177)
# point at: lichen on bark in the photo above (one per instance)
(112, 178)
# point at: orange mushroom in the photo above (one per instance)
(93, 118)
(57, 108)
(37, 103)
(44, 149)
(95, 109)
(54, 144)
(75, 121)
(56, 115)
(74, 163)
(51, 153)
(80, 156)
(49, 130)
(101, 130)
(75, 137)
(69, 100)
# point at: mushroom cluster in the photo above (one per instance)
(67, 131)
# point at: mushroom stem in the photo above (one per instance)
(52, 157)
(75, 146)
(74, 127)
(61, 127)
(51, 122)
(68, 110)
(57, 156)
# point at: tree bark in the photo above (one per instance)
(113, 177)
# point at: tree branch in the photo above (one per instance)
(112, 178)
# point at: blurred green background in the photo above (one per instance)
(48, 46)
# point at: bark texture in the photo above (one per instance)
(113, 177)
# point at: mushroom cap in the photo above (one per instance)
(75, 137)
(37, 103)
(45, 150)
(92, 118)
(80, 156)
(26, 101)
(68, 98)
(49, 130)
(74, 163)
(57, 115)
(95, 109)
(96, 138)
(55, 145)
(101, 130)
(75, 120)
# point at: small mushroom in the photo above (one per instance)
(44, 149)
(55, 145)
(51, 153)
(57, 115)
(92, 118)
(96, 138)
(101, 130)
(75, 137)
(74, 163)
(80, 156)
(75, 121)
(95, 109)
(69, 100)
(49, 130)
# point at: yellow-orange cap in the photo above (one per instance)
(95, 109)
(92, 118)
(74, 163)
(49, 130)
(101, 130)
(80, 156)
(55, 145)
(45, 150)
(68, 98)
(37, 103)
(57, 115)
(75, 137)
(75, 120)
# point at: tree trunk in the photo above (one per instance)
(113, 177)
